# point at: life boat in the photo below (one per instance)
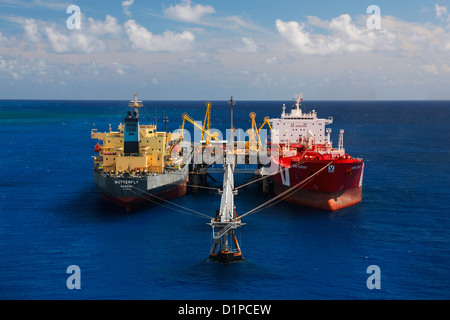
(97, 148)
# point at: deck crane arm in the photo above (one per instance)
(185, 117)
(207, 121)
(254, 129)
(267, 121)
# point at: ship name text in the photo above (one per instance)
(126, 183)
(299, 166)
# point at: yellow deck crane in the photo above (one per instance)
(274, 137)
(254, 139)
(207, 121)
(185, 117)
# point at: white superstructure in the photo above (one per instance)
(296, 125)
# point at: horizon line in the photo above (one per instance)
(276, 100)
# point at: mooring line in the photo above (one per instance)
(197, 214)
(262, 178)
(284, 192)
(202, 187)
(261, 207)
(165, 200)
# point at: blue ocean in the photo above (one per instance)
(52, 215)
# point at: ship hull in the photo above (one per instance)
(128, 202)
(130, 192)
(329, 201)
(334, 188)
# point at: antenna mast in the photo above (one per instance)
(135, 103)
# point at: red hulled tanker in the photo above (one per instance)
(324, 177)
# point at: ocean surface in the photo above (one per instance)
(52, 215)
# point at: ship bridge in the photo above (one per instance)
(295, 126)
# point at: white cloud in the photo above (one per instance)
(441, 11)
(7, 41)
(52, 5)
(75, 42)
(343, 36)
(109, 26)
(58, 41)
(2, 37)
(142, 39)
(431, 68)
(93, 68)
(94, 36)
(19, 68)
(414, 55)
(206, 15)
(186, 12)
(124, 68)
(315, 21)
(436, 69)
(42, 70)
(126, 7)
(31, 30)
(249, 46)
(272, 60)
(420, 39)
(200, 58)
(99, 36)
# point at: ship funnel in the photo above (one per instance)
(131, 135)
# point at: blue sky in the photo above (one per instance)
(187, 49)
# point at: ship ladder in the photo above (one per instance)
(223, 231)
